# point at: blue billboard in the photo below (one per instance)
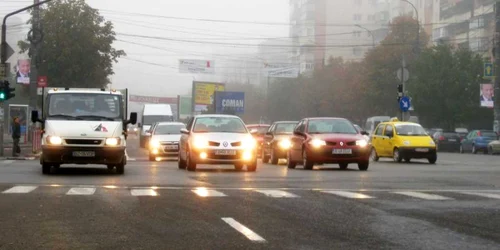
(229, 102)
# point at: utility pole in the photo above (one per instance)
(496, 99)
(35, 39)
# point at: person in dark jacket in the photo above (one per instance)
(16, 135)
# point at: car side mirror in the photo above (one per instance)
(133, 118)
(184, 131)
(34, 116)
(364, 133)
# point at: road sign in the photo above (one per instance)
(403, 74)
(404, 103)
(8, 51)
(488, 70)
(196, 66)
(42, 81)
(3, 70)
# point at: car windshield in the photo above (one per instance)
(150, 119)
(410, 129)
(168, 129)
(331, 126)
(78, 106)
(285, 128)
(219, 125)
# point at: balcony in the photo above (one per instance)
(448, 9)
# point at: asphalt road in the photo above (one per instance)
(453, 204)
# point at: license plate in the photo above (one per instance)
(171, 147)
(225, 152)
(452, 139)
(84, 154)
(422, 150)
(342, 151)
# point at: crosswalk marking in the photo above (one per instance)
(277, 193)
(487, 195)
(251, 235)
(8, 162)
(143, 192)
(352, 195)
(424, 196)
(19, 190)
(81, 191)
(204, 192)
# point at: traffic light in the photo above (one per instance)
(400, 88)
(2, 91)
(6, 92)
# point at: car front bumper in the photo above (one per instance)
(64, 155)
(213, 158)
(415, 152)
(325, 155)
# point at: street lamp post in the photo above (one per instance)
(370, 32)
(418, 25)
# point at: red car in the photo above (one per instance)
(326, 141)
(259, 135)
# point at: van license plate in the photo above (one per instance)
(225, 152)
(342, 151)
(84, 154)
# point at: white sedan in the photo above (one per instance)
(164, 140)
(217, 139)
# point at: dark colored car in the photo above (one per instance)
(477, 140)
(447, 141)
(327, 141)
(260, 132)
(277, 141)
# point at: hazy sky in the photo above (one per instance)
(133, 18)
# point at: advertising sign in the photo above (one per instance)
(196, 66)
(23, 71)
(152, 99)
(203, 94)
(486, 95)
(283, 70)
(185, 106)
(229, 102)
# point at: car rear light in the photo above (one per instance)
(478, 133)
(441, 138)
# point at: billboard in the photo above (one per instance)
(229, 102)
(283, 70)
(185, 106)
(196, 66)
(203, 94)
(23, 71)
(486, 95)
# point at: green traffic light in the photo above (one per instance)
(2, 96)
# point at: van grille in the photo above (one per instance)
(83, 141)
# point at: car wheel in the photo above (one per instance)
(396, 155)
(110, 167)
(274, 158)
(290, 164)
(474, 150)
(306, 162)
(180, 163)
(46, 168)
(343, 166)
(152, 158)
(190, 163)
(252, 167)
(432, 159)
(265, 158)
(363, 166)
(407, 159)
(374, 155)
(120, 168)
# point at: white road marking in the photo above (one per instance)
(143, 192)
(277, 193)
(243, 230)
(8, 161)
(81, 191)
(204, 192)
(352, 195)
(424, 196)
(20, 190)
(492, 196)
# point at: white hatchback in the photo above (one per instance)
(164, 140)
(217, 139)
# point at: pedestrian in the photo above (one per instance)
(16, 135)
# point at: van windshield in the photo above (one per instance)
(79, 106)
(150, 119)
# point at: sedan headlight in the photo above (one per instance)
(199, 142)
(406, 143)
(54, 140)
(249, 143)
(135, 129)
(432, 142)
(361, 143)
(112, 141)
(285, 144)
(317, 143)
(154, 144)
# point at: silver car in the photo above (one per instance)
(217, 139)
(164, 140)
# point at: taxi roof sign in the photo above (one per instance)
(394, 119)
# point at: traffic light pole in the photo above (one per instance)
(496, 99)
(3, 59)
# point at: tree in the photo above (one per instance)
(445, 88)
(76, 50)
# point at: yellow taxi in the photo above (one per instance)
(402, 141)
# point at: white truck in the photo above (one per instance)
(152, 113)
(84, 126)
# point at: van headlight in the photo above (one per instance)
(248, 143)
(285, 144)
(154, 144)
(361, 143)
(112, 141)
(54, 140)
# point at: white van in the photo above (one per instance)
(152, 113)
(372, 122)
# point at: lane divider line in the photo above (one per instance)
(276, 193)
(81, 191)
(251, 235)
(424, 196)
(204, 192)
(351, 195)
(143, 192)
(492, 196)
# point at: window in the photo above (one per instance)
(380, 130)
(477, 23)
(284, 128)
(356, 33)
(219, 124)
(411, 130)
(356, 17)
(75, 105)
(168, 129)
(331, 126)
(388, 130)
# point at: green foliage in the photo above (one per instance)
(77, 46)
